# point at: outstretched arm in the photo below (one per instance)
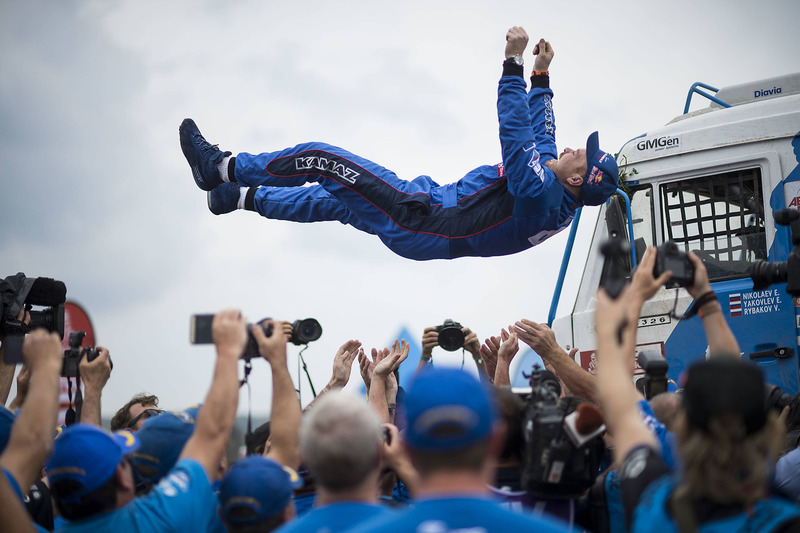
(31, 437)
(430, 339)
(286, 416)
(215, 419)
(618, 396)
(383, 368)
(527, 128)
(543, 341)
(720, 337)
(94, 375)
(342, 366)
(509, 346)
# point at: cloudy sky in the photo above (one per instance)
(96, 193)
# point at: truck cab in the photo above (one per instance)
(710, 181)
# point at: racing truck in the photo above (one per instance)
(710, 181)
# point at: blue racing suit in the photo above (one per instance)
(493, 210)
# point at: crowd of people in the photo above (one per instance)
(454, 452)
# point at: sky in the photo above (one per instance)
(96, 192)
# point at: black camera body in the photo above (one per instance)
(553, 465)
(74, 354)
(303, 331)
(670, 257)
(19, 290)
(614, 277)
(655, 373)
(451, 338)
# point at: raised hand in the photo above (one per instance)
(343, 362)
(366, 366)
(544, 55)
(390, 362)
(229, 331)
(516, 41)
(272, 348)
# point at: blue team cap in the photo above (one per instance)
(602, 174)
(88, 455)
(447, 408)
(256, 488)
(162, 439)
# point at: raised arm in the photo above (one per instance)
(94, 375)
(527, 128)
(617, 394)
(430, 339)
(543, 341)
(31, 437)
(215, 419)
(383, 368)
(286, 415)
(508, 348)
(473, 345)
(342, 366)
(720, 337)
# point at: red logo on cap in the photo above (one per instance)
(595, 177)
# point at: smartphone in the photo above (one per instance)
(200, 329)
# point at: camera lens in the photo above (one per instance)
(305, 331)
(451, 338)
(764, 274)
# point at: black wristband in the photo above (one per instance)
(510, 68)
(540, 81)
(704, 298)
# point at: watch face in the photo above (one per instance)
(517, 59)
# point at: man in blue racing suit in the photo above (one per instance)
(493, 210)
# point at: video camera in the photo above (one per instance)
(451, 338)
(563, 445)
(19, 291)
(765, 273)
(303, 331)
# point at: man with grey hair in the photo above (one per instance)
(454, 439)
(340, 443)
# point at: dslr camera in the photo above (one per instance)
(74, 354)
(670, 257)
(451, 338)
(303, 331)
(19, 291)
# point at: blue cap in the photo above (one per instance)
(255, 489)
(162, 439)
(6, 421)
(602, 174)
(447, 408)
(88, 455)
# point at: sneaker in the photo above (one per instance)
(202, 156)
(224, 199)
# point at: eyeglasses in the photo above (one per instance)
(147, 413)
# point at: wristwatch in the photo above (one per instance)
(517, 59)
